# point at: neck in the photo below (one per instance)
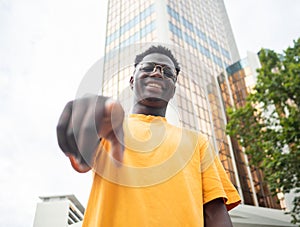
(140, 108)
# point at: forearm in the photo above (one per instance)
(216, 214)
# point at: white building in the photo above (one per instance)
(58, 211)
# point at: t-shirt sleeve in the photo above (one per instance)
(215, 182)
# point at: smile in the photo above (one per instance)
(154, 85)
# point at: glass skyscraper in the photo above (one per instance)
(199, 34)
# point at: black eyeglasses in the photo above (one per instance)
(151, 67)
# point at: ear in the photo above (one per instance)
(131, 82)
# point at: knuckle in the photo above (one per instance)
(59, 129)
(69, 104)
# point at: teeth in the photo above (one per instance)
(154, 85)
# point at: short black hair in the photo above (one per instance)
(157, 49)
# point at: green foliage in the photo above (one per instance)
(268, 126)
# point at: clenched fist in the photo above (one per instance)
(83, 123)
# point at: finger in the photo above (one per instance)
(61, 129)
(114, 112)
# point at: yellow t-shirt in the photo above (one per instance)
(167, 174)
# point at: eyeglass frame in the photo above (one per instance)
(174, 77)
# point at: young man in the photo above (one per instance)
(147, 172)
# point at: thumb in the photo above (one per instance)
(117, 145)
(115, 113)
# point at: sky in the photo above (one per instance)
(46, 47)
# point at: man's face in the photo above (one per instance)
(153, 82)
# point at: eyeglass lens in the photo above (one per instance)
(152, 67)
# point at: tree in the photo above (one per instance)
(268, 125)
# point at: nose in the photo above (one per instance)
(157, 72)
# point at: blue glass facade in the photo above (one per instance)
(138, 35)
(199, 33)
(130, 24)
